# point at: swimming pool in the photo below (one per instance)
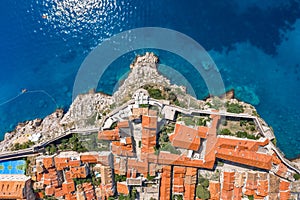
(13, 167)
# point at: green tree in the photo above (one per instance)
(234, 108)
(296, 176)
(52, 149)
(202, 192)
(225, 131)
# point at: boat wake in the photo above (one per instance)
(25, 91)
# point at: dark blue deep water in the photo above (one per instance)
(255, 44)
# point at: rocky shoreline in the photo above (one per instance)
(89, 110)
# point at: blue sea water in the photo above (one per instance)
(255, 45)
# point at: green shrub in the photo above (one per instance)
(202, 192)
(296, 176)
(235, 108)
(225, 131)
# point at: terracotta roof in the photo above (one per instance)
(109, 134)
(282, 170)
(214, 189)
(89, 191)
(61, 162)
(68, 187)
(39, 176)
(284, 195)
(122, 188)
(149, 122)
(68, 176)
(185, 137)
(237, 193)
(140, 167)
(227, 194)
(275, 159)
(263, 188)
(211, 139)
(58, 192)
(148, 140)
(189, 192)
(250, 158)
(284, 185)
(70, 197)
(123, 124)
(86, 158)
(79, 172)
(249, 192)
(203, 131)
(165, 183)
(178, 178)
(74, 163)
(49, 190)
(251, 183)
(48, 162)
(228, 180)
(121, 149)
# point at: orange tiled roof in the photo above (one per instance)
(189, 191)
(48, 162)
(237, 193)
(227, 194)
(178, 178)
(284, 195)
(282, 170)
(68, 176)
(275, 159)
(263, 187)
(74, 163)
(78, 172)
(203, 131)
(149, 122)
(249, 192)
(148, 140)
(85, 158)
(123, 124)
(61, 162)
(122, 188)
(39, 176)
(250, 158)
(89, 191)
(109, 134)
(68, 187)
(214, 189)
(228, 181)
(70, 197)
(49, 190)
(140, 167)
(284, 185)
(58, 192)
(165, 183)
(185, 137)
(121, 149)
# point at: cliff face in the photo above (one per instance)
(37, 129)
(143, 71)
(86, 110)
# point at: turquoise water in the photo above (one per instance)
(12, 167)
(255, 45)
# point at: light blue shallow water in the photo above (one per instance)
(255, 45)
